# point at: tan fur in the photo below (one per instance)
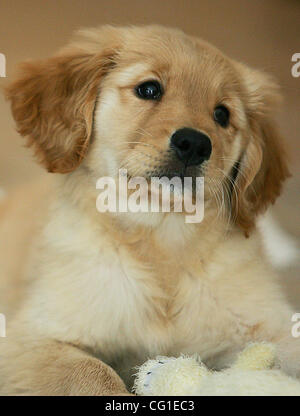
(120, 288)
(264, 160)
(53, 104)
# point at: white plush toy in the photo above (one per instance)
(251, 375)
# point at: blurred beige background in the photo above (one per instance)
(262, 33)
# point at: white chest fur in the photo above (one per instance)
(95, 294)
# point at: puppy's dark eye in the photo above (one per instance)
(221, 115)
(149, 90)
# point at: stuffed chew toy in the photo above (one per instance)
(252, 374)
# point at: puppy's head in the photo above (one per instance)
(158, 103)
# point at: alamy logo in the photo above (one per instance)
(2, 66)
(2, 326)
(160, 195)
(296, 67)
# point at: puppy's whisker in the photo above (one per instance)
(143, 131)
(135, 164)
(224, 187)
(220, 208)
(138, 153)
(142, 143)
(153, 146)
(234, 188)
(215, 193)
(238, 170)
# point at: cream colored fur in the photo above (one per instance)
(120, 288)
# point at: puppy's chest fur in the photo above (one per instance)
(126, 308)
(141, 310)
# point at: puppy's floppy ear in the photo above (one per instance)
(263, 166)
(53, 103)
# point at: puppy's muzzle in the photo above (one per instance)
(191, 146)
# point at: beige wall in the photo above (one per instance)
(262, 33)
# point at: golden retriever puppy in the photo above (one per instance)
(101, 292)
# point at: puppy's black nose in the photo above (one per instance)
(191, 146)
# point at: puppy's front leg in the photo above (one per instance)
(54, 368)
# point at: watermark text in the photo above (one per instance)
(296, 67)
(2, 66)
(159, 194)
(296, 326)
(2, 326)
